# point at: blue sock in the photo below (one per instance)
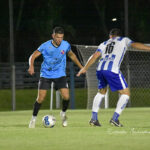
(115, 116)
(94, 115)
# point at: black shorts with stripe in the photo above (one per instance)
(59, 83)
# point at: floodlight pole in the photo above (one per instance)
(126, 31)
(72, 96)
(12, 65)
(126, 17)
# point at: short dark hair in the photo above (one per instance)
(58, 30)
(116, 32)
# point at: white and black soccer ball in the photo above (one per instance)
(49, 121)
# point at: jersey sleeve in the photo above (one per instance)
(41, 48)
(68, 47)
(100, 48)
(128, 41)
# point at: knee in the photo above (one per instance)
(65, 97)
(125, 92)
(40, 99)
(103, 91)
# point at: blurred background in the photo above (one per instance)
(86, 22)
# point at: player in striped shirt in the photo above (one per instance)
(111, 53)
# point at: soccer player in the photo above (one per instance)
(53, 69)
(111, 53)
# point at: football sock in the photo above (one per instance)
(115, 116)
(65, 104)
(94, 115)
(122, 102)
(63, 113)
(97, 101)
(96, 104)
(36, 108)
(34, 117)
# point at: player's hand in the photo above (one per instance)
(82, 71)
(31, 70)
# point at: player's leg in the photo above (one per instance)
(65, 103)
(62, 85)
(42, 91)
(40, 98)
(121, 104)
(96, 105)
(117, 83)
(65, 98)
(98, 99)
(36, 107)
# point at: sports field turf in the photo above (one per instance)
(135, 135)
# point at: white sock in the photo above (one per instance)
(97, 101)
(63, 113)
(34, 118)
(122, 102)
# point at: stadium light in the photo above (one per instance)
(114, 19)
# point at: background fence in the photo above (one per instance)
(135, 67)
(24, 80)
(26, 87)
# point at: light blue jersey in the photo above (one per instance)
(54, 59)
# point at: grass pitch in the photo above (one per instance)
(135, 135)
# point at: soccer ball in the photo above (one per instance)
(49, 121)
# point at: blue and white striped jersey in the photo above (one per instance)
(112, 53)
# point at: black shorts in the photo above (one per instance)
(59, 83)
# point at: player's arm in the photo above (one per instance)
(140, 46)
(90, 61)
(73, 57)
(31, 61)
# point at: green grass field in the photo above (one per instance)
(135, 135)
